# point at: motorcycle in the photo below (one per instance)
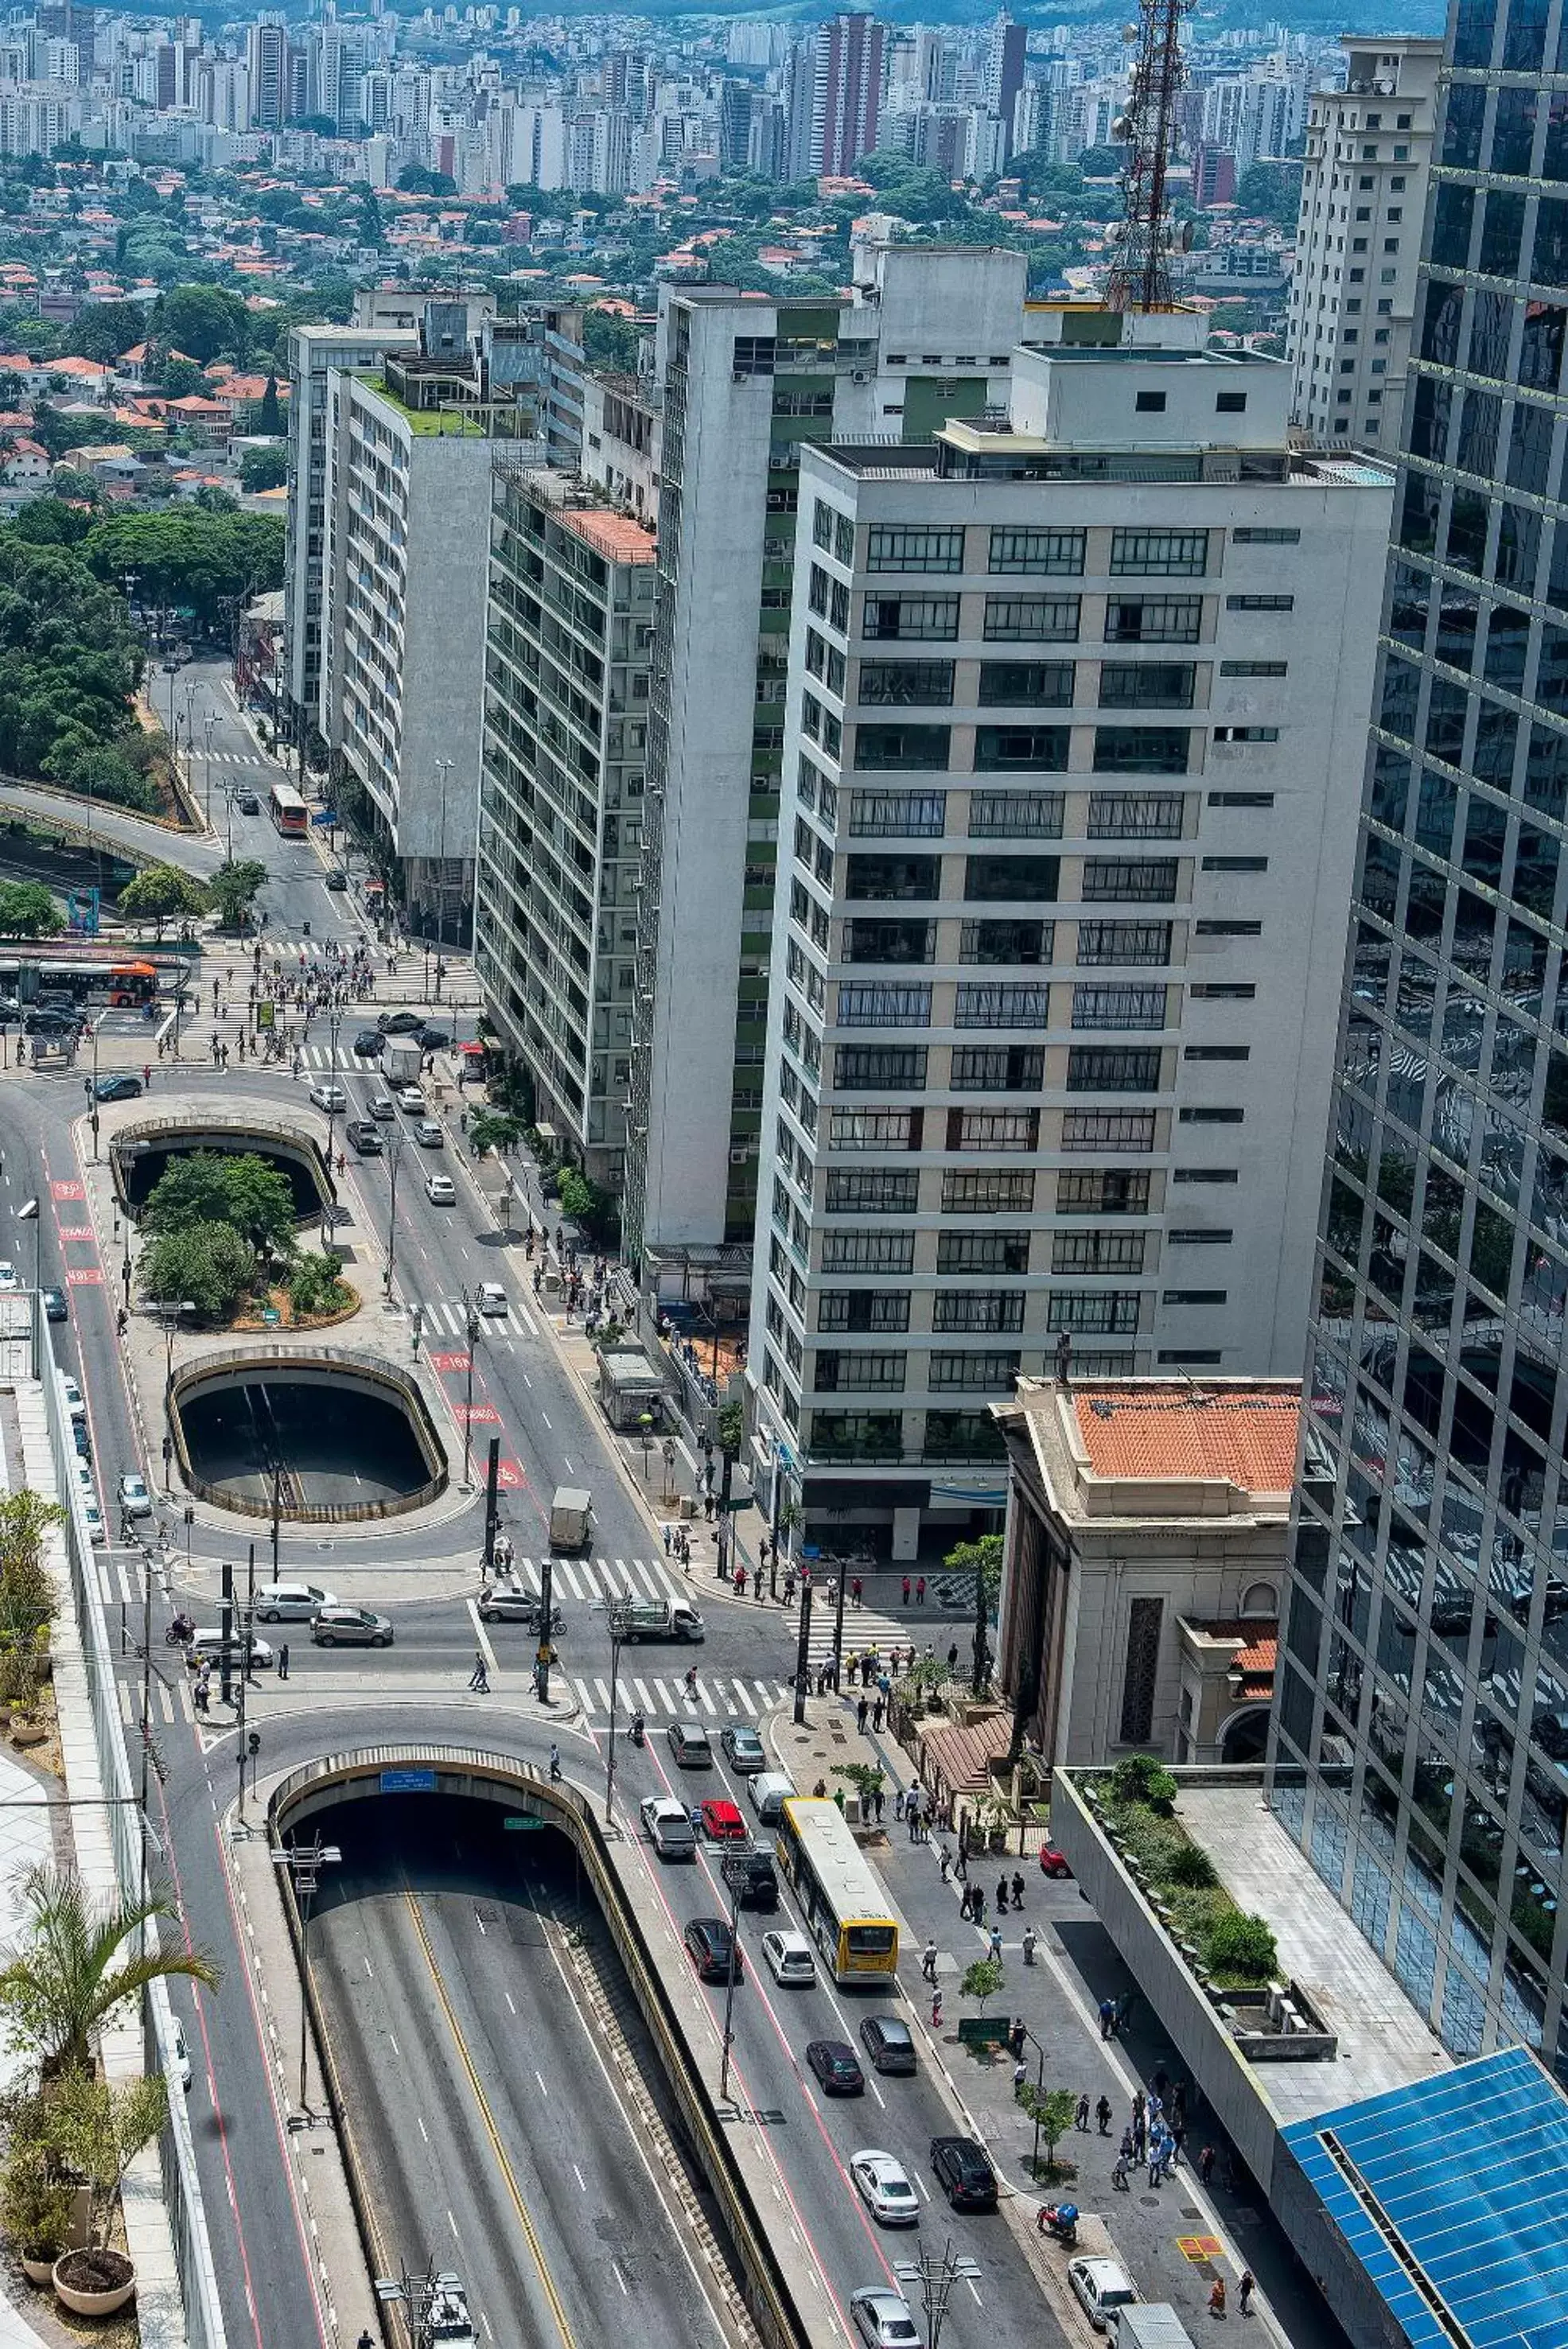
(1060, 2220)
(181, 1632)
(639, 1730)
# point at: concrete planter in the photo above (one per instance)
(38, 2271)
(27, 1733)
(107, 2300)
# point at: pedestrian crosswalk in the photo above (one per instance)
(594, 1580)
(121, 1577)
(169, 1701)
(443, 1315)
(716, 1699)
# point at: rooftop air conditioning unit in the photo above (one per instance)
(738, 1157)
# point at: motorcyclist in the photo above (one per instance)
(181, 1629)
(639, 1729)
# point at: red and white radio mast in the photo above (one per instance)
(1139, 275)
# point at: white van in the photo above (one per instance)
(767, 1791)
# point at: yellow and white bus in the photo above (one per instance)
(840, 1895)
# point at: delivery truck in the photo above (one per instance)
(402, 1061)
(662, 1619)
(571, 1517)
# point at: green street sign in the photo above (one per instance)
(983, 2031)
(518, 1825)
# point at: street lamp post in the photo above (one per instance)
(304, 1863)
(615, 1618)
(27, 1213)
(935, 2278)
(471, 1331)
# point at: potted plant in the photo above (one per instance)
(100, 2130)
(36, 2208)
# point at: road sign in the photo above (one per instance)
(519, 1824)
(270, 1315)
(983, 2031)
(408, 1781)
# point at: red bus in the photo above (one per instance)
(288, 812)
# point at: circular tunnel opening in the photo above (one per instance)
(142, 1162)
(336, 1439)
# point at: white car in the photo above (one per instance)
(789, 1959)
(181, 2063)
(440, 1191)
(410, 1098)
(329, 1097)
(1103, 2286)
(96, 1529)
(8, 1279)
(490, 1297)
(429, 1135)
(883, 2185)
(381, 1105)
(291, 1602)
(207, 1646)
(882, 2318)
(71, 1396)
(135, 1500)
(668, 1828)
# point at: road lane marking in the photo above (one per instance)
(483, 1636)
(578, 2174)
(506, 1994)
(544, 2091)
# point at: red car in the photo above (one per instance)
(1052, 1862)
(723, 1823)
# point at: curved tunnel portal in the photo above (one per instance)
(339, 1437)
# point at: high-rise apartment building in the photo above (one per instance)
(846, 95)
(569, 631)
(746, 384)
(266, 60)
(1073, 744)
(1364, 198)
(1421, 1727)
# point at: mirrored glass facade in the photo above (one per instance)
(1420, 1744)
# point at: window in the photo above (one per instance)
(892, 876)
(822, 526)
(843, 524)
(1260, 602)
(1246, 733)
(1253, 668)
(1224, 991)
(1154, 620)
(886, 1068)
(1198, 1235)
(1142, 750)
(856, 1434)
(1016, 816)
(1027, 880)
(1192, 1297)
(896, 546)
(911, 815)
(1040, 552)
(1256, 537)
(1145, 1618)
(868, 1251)
(1217, 1053)
(1195, 1355)
(901, 746)
(982, 1252)
(1205, 1174)
(998, 748)
(993, 1129)
(978, 1004)
(1123, 942)
(899, 942)
(1097, 1251)
(861, 1310)
(1228, 929)
(910, 620)
(851, 1192)
(1025, 685)
(1103, 1312)
(997, 1067)
(1241, 798)
(1031, 619)
(1147, 685)
(991, 1372)
(1136, 815)
(904, 684)
(1102, 1191)
(1173, 553)
(1231, 403)
(1145, 880)
(1119, 1007)
(834, 1371)
(874, 1129)
(1211, 1116)
(863, 1004)
(989, 1312)
(1100, 1129)
(966, 1194)
(1111, 1069)
(1235, 865)
(1003, 941)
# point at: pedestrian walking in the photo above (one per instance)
(937, 2012)
(1244, 2290)
(996, 1945)
(1102, 2115)
(1017, 1890)
(861, 1710)
(1108, 2018)
(1019, 2076)
(554, 1762)
(929, 1962)
(877, 1712)
(966, 1903)
(945, 1863)
(282, 1661)
(1080, 2118)
(665, 1530)
(857, 1590)
(479, 1678)
(1119, 2176)
(907, 1589)
(1031, 1943)
(740, 1581)
(1217, 2297)
(1018, 2033)
(1206, 2164)
(1001, 1895)
(880, 1799)
(920, 1592)
(952, 1656)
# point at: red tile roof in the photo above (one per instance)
(1244, 1437)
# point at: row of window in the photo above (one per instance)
(1038, 685)
(999, 749)
(1014, 815)
(1037, 552)
(908, 618)
(1007, 1254)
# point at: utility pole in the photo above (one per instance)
(492, 1504)
(734, 1891)
(471, 1330)
(934, 2279)
(544, 1653)
(616, 1618)
(305, 1862)
(803, 1654)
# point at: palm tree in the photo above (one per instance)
(66, 1976)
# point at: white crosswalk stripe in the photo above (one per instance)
(596, 1581)
(443, 1315)
(717, 1700)
(121, 1579)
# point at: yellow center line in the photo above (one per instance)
(546, 2279)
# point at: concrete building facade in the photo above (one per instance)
(1072, 742)
(1363, 200)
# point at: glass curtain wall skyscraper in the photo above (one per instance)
(1420, 1745)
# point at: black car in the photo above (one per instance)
(750, 1876)
(56, 1308)
(249, 804)
(337, 879)
(964, 2174)
(433, 1039)
(370, 1041)
(837, 2067)
(713, 1949)
(44, 1022)
(363, 1136)
(401, 1024)
(122, 1088)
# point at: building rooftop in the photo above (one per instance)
(616, 536)
(1173, 1450)
(1384, 2041)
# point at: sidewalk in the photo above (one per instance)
(1174, 2240)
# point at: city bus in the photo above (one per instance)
(288, 812)
(83, 982)
(840, 1896)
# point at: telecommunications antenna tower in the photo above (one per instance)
(1139, 275)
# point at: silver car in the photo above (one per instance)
(883, 2319)
(350, 1627)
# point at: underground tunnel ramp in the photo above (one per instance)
(327, 1435)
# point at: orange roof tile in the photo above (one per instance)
(614, 536)
(1247, 1437)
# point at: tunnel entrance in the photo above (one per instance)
(244, 1426)
(465, 1972)
(144, 1161)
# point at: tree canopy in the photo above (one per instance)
(28, 911)
(223, 1186)
(233, 889)
(264, 469)
(160, 893)
(203, 321)
(190, 556)
(68, 660)
(207, 1265)
(104, 329)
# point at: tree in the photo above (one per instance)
(1272, 190)
(1143, 1779)
(270, 418)
(28, 911)
(316, 1285)
(179, 377)
(190, 556)
(102, 771)
(106, 329)
(493, 1129)
(160, 893)
(983, 1980)
(233, 889)
(208, 1266)
(982, 1558)
(224, 1187)
(415, 180)
(98, 2127)
(203, 321)
(65, 1974)
(866, 1778)
(27, 1603)
(1054, 2110)
(609, 341)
